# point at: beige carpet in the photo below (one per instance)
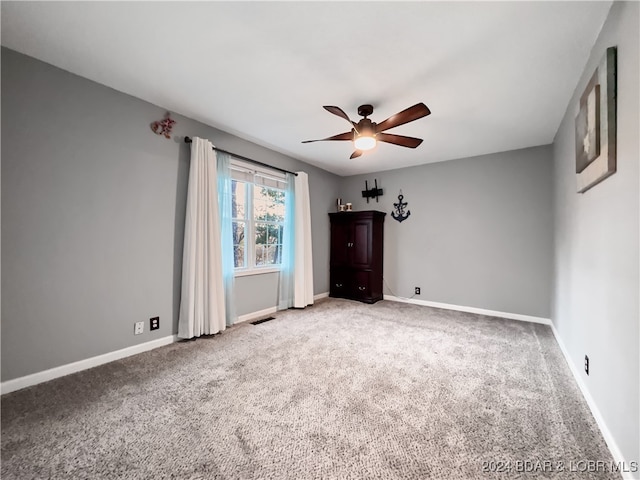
(340, 390)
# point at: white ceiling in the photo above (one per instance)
(496, 75)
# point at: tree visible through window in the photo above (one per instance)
(258, 214)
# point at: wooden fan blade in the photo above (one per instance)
(337, 111)
(355, 154)
(340, 136)
(409, 142)
(419, 110)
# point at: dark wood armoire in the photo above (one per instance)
(356, 255)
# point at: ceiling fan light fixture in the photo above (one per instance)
(365, 142)
(366, 134)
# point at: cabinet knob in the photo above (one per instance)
(339, 285)
(362, 288)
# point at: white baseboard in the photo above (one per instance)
(479, 311)
(61, 371)
(269, 311)
(255, 315)
(606, 433)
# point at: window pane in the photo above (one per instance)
(277, 258)
(268, 254)
(262, 233)
(268, 244)
(238, 253)
(238, 244)
(268, 203)
(260, 249)
(276, 254)
(238, 199)
(273, 234)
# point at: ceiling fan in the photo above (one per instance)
(365, 134)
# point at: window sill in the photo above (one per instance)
(256, 271)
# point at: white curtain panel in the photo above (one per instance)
(303, 267)
(202, 306)
(286, 285)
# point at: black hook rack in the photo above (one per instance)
(374, 192)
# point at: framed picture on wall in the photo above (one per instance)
(588, 125)
(596, 126)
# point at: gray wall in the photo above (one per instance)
(93, 215)
(595, 307)
(479, 234)
(258, 292)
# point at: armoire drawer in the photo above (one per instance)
(340, 283)
(361, 284)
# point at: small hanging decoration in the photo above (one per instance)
(399, 214)
(163, 127)
(374, 192)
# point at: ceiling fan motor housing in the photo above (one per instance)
(366, 127)
(365, 110)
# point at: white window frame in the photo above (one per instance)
(253, 176)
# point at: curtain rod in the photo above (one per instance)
(188, 140)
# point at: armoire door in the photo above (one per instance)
(361, 245)
(340, 243)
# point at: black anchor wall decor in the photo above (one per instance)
(399, 214)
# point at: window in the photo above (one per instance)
(258, 211)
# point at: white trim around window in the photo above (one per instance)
(245, 272)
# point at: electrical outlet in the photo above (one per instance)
(586, 364)
(154, 323)
(138, 328)
(417, 290)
